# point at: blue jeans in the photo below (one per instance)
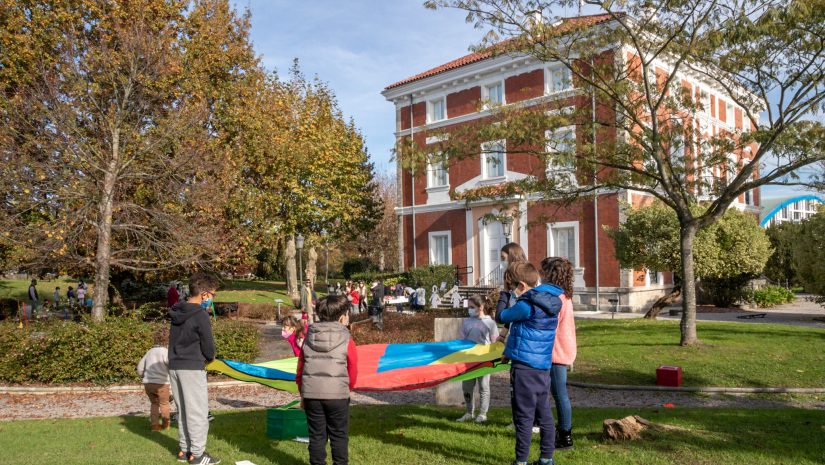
(558, 387)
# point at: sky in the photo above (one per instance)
(361, 46)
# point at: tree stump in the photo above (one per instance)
(627, 429)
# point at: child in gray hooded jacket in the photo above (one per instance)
(480, 328)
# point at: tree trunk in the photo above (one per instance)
(381, 260)
(312, 265)
(688, 323)
(663, 302)
(100, 295)
(291, 274)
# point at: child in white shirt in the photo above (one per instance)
(154, 371)
(480, 328)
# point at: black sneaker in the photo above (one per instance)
(564, 439)
(184, 457)
(204, 459)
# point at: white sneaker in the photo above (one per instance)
(481, 418)
(466, 417)
(536, 430)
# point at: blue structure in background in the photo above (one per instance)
(784, 209)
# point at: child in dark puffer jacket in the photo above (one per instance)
(533, 321)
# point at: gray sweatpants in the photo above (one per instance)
(192, 401)
(469, 387)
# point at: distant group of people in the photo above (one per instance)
(75, 298)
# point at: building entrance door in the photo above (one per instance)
(494, 241)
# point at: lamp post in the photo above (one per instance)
(299, 243)
(507, 225)
(326, 260)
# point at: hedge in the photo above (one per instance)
(770, 296)
(423, 276)
(56, 352)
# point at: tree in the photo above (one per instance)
(310, 171)
(380, 244)
(809, 255)
(113, 145)
(780, 267)
(644, 134)
(649, 239)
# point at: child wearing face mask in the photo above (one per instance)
(480, 328)
(294, 331)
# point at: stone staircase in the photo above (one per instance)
(465, 292)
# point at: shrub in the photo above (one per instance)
(354, 266)
(725, 292)
(99, 353)
(770, 296)
(429, 276)
(370, 276)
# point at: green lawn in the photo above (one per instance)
(732, 354)
(18, 289)
(413, 435)
(257, 292)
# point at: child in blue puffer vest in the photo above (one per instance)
(533, 320)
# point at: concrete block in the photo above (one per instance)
(448, 393)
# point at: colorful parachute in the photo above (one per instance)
(385, 367)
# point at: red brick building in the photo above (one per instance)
(434, 229)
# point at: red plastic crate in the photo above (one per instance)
(669, 376)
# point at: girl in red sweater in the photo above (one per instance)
(559, 271)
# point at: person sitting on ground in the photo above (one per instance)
(294, 331)
(479, 328)
(191, 347)
(327, 372)
(529, 347)
(154, 372)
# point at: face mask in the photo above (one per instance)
(206, 304)
(473, 312)
(285, 334)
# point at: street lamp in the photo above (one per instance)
(507, 225)
(326, 261)
(299, 243)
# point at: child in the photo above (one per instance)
(327, 370)
(70, 296)
(154, 371)
(481, 329)
(559, 271)
(533, 320)
(191, 346)
(81, 296)
(294, 331)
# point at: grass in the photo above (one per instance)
(414, 435)
(18, 289)
(731, 354)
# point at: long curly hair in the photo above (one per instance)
(558, 271)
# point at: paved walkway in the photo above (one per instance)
(800, 313)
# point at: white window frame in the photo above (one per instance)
(576, 245)
(704, 100)
(431, 173)
(431, 109)
(485, 94)
(730, 114)
(548, 79)
(659, 278)
(485, 148)
(431, 236)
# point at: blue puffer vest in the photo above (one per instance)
(531, 339)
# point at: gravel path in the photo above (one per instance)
(100, 404)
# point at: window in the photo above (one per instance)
(436, 110)
(559, 79)
(493, 94)
(492, 162)
(653, 278)
(561, 150)
(440, 250)
(563, 241)
(437, 174)
(704, 100)
(748, 198)
(730, 117)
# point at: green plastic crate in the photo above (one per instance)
(286, 422)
